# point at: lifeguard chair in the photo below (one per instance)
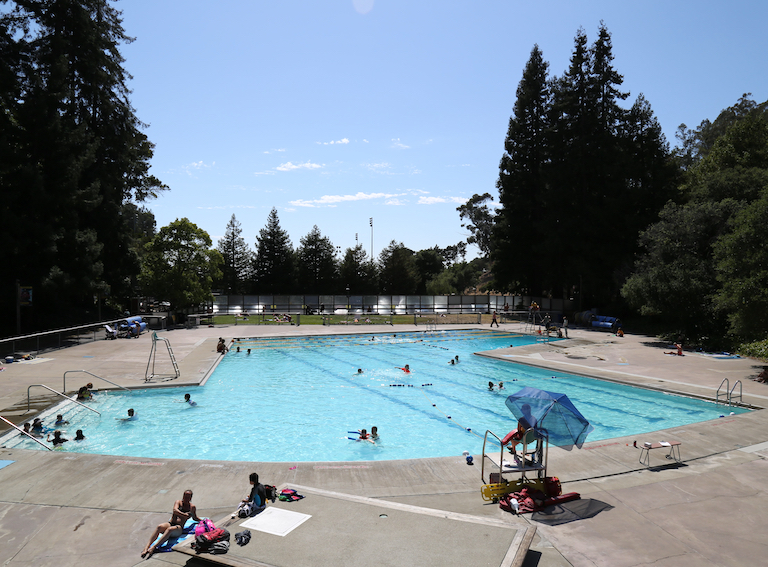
(509, 470)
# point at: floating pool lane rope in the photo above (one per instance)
(448, 417)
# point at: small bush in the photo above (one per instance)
(758, 349)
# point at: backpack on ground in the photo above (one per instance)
(203, 542)
(289, 495)
(271, 492)
(219, 547)
(205, 525)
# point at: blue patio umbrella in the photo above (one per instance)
(552, 413)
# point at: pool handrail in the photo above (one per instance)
(20, 430)
(64, 388)
(29, 405)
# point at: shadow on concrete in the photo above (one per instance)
(570, 511)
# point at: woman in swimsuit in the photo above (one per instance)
(183, 510)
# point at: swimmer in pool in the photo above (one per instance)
(359, 370)
(238, 349)
(60, 420)
(451, 361)
(131, 416)
(57, 438)
(188, 399)
(79, 435)
(249, 351)
(28, 430)
(457, 359)
(365, 436)
(490, 386)
(501, 385)
(406, 369)
(374, 433)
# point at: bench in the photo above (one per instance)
(673, 446)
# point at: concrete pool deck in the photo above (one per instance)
(59, 508)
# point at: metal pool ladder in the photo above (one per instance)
(728, 393)
(153, 357)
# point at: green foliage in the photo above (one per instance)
(274, 268)
(180, 265)
(397, 270)
(741, 257)
(69, 139)
(456, 279)
(580, 177)
(358, 272)
(675, 275)
(704, 262)
(317, 266)
(237, 257)
(481, 218)
(429, 263)
(757, 349)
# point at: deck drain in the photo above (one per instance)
(382, 515)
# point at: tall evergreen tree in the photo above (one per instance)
(275, 263)
(397, 270)
(317, 266)
(358, 272)
(579, 178)
(522, 184)
(81, 147)
(238, 259)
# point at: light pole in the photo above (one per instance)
(370, 220)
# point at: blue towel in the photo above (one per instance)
(189, 528)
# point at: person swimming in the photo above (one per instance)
(375, 433)
(406, 369)
(131, 416)
(60, 420)
(79, 435)
(490, 386)
(188, 399)
(359, 370)
(365, 436)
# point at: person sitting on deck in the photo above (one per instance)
(679, 350)
(256, 500)
(182, 511)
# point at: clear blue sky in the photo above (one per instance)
(337, 111)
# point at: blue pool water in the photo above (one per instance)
(296, 399)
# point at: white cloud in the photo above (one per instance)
(396, 143)
(366, 141)
(437, 200)
(196, 166)
(333, 200)
(382, 167)
(270, 151)
(396, 202)
(332, 142)
(288, 166)
(263, 172)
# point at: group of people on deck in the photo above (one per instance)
(184, 510)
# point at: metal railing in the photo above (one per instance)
(20, 430)
(64, 388)
(58, 339)
(29, 404)
(728, 392)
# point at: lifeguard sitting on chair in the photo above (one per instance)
(523, 435)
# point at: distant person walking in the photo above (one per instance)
(494, 320)
(565, 326)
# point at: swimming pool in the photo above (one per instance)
(297, 399)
